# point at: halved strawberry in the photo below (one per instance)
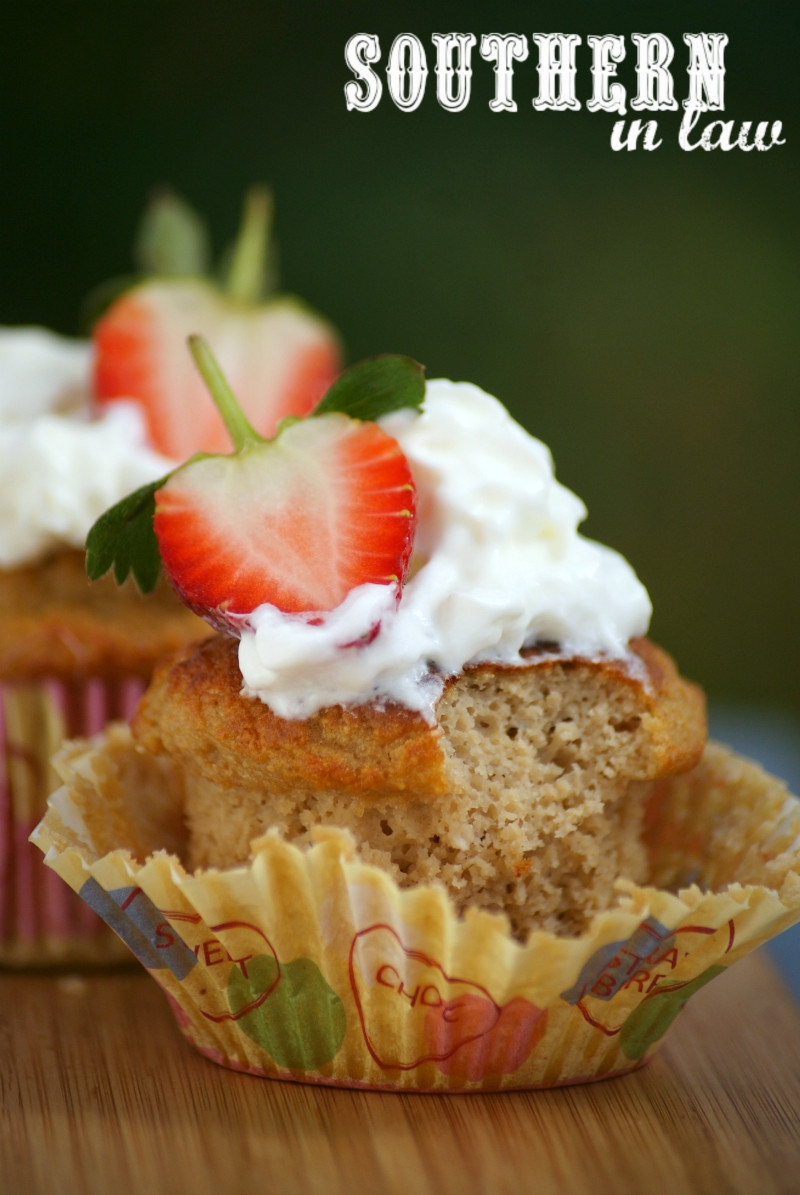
(297, 521)
(278, 355)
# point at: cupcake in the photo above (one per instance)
(72, 657)
(432, 813)
(81, 425)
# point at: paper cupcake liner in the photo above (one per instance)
(315, 967)
(41, 921)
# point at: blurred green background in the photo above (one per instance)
(637, 311)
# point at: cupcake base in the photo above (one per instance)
(312, 966)
(43, 923)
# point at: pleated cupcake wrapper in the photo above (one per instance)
(312, 966)
(41, 921)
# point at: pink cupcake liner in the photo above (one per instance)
(41, 921)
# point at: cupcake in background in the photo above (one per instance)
(72, 656)
(82, 424)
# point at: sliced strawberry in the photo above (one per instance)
(297, 522)
(279, 356)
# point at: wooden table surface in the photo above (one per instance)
(99, 1093)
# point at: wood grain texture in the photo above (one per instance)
(99, 1094)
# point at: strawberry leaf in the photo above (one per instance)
(172, 240)
(375, 387)
(123, 539)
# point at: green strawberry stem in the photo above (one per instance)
(248, 269)
(240, 430)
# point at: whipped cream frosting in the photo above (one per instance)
(61, 465)
(498, 566)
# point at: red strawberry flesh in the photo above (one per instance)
(278, 356)
(296, 522)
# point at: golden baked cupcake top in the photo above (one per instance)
(527, 795)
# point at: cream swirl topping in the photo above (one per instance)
(498, 566)
(61, 465)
